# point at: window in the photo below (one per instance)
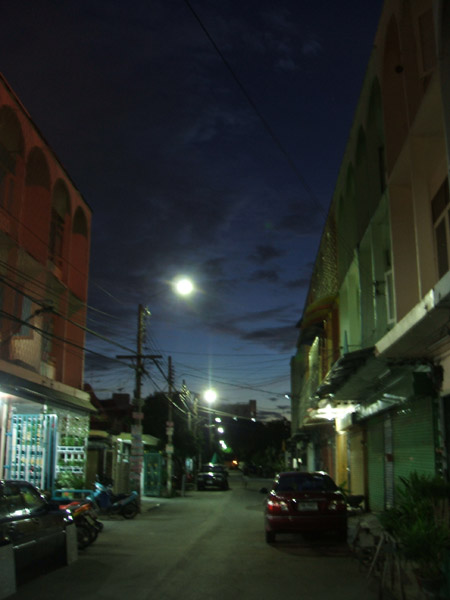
(390, 303)
(302, 482)
(56, 238)
(25, 317)
(441, 223)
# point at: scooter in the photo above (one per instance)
(126, 505)
(85, 519)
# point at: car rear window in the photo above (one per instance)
(213, 469)
(303, 482)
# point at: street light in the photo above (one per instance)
(210, 396)
(183, 286)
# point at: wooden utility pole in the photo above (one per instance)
(137, 447)
(169, 430)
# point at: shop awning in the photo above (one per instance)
(38, 392)
(147, 439)
(423, 328)
(351, 376)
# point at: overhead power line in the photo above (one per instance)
(276, 140)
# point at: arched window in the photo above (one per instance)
(80, 223)
(37, 169)
(11, 147)
(60, 209)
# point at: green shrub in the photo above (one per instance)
(420, 521)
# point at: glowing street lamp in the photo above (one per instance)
(183, 286)
(210, 396)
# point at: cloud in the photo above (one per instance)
(301, 283)
(269, 415)
(263, 315)
(312, 47)
(265, 253)
(302, 220)
(270, 275)
(280, 338)
(287, 64)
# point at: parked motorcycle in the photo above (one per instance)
(126, 505)
(86, 521)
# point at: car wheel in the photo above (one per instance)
(200, 487)
(129, 511)
(270, 537)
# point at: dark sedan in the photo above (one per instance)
(212, 476)
(304, 502)
(35, 528)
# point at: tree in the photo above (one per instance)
(261, 444)
(156, 409)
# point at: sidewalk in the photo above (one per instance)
(368, 529)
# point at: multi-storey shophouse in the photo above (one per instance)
(371, 377)
(44, 254)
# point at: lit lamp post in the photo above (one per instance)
(210, 397)
(182, 286)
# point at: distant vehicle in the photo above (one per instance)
(304, 502)
(35, 527)
(212, 476)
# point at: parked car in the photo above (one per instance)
(304, 502)
(35, 527)
(210, 476)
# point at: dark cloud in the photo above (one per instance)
(265, 253)
(302, 283)
(270, 275)
(273, 415)
(312, 47)
(302, 220)
(280, 338)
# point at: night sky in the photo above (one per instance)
(206, 136)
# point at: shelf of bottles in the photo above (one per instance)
(29, 448)
(73, 431)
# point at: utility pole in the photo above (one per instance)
(169, 430)
(137, 447)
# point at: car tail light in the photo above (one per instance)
(276, 506)
(338, 504)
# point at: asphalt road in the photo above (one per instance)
(205, 545)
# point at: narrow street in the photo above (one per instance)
(201, 546)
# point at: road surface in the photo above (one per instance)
(203, 546)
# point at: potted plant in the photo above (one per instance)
(420, 522)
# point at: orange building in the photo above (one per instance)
(45, 230)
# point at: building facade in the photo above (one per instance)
(45, 228)
(371, 376)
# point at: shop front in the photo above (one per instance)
(43, 431)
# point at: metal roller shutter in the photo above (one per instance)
(375, 460)
(413, 438)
